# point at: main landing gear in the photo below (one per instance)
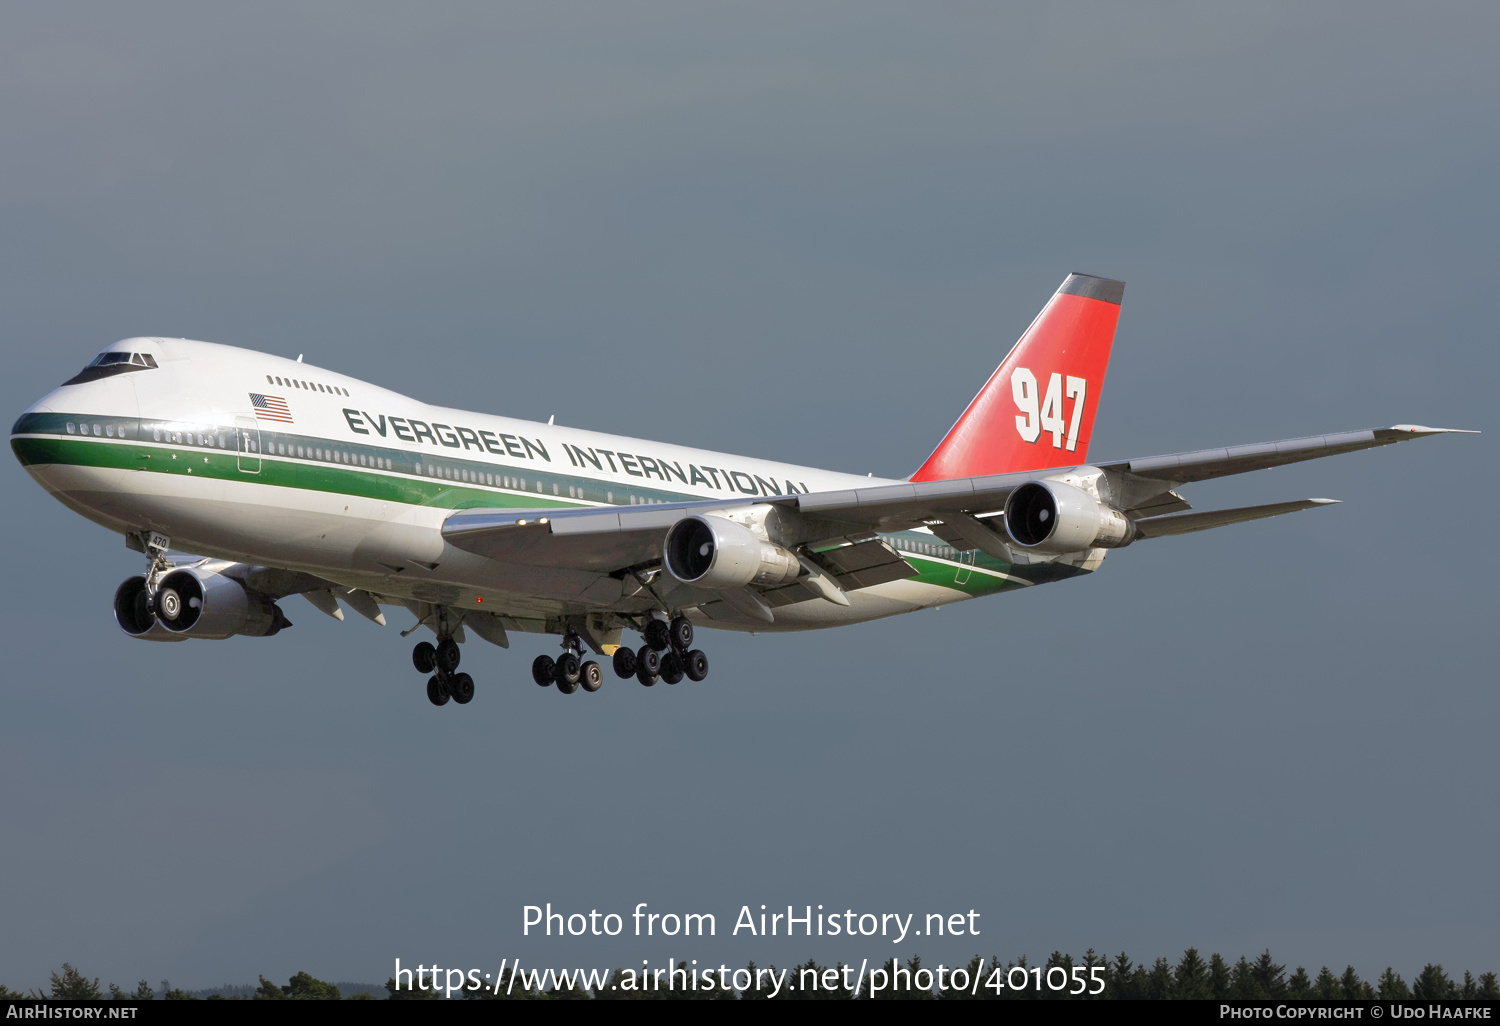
(441, 661)
(667, 654)
(568, 671)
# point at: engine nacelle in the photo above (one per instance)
(1047, 516)
(197, 603)
(718, 553)
(133, 612)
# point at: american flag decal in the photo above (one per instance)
(270, 407)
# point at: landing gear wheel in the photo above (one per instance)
(624, 662)
(424, 657)
(657, 634)
(542, 670)
(591, 677)
(681, 633)
(695, 664)
(461, 687)
(566, 672)
(648, 661)
(448, 655)
(671, 667)
(437, 694)
(648, 679)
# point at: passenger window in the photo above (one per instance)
(72, 428)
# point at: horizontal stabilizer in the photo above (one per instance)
(1202, 520)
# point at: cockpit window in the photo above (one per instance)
(110, 363)
(113, 359)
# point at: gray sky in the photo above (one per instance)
(806, 233)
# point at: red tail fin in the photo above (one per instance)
(1037, 409)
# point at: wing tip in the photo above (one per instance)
(1419, 429)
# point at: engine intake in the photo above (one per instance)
(1047, 516)
(718, 553)
(133, 612)
(197, 603)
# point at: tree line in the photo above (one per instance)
(1190, 978)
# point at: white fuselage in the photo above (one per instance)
(255, 458)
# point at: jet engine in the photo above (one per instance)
(718, 553)
(192, 602)
(133, 612)
(1047, 516)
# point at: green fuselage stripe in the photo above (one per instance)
(436, 481)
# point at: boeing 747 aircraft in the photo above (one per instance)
(290, 480)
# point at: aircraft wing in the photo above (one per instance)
(615, 538)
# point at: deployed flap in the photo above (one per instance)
(1186, 523)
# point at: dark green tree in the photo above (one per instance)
(303, 987)
(1219, 976)
(269, 991)
(407, 993)
(143, 992)
(757, 993)
(808, 978)
(1026, 991)
(615, 990)
(509, 988)
(1122, 982)
(72, 985)
(1299, 987)
(1191, 979)
(1391, 987)
(178, 995)
(1488, 986)
(1243, 984)
(1354, 988)
(952, 993)
(1326, 986)
(1433, 983)
(6, 994)
(1269, 975)
(1159, 982)
(1092, 960)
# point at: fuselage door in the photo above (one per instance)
(966, 564)
(247, 430)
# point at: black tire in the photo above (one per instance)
(437, 692)
(448, 655)
(658, 635)
(648, 679)
(681, 633)
(624, 662)
(591, 676)
(461, 687)
(566, 687)
(566, 670)
(648, 661)
(424, 657)
(671, 667)
(542, 669)
(695, 664)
